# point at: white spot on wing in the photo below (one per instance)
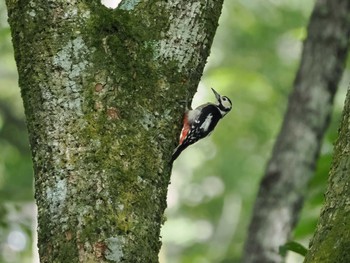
(193, 115)
(206, 123)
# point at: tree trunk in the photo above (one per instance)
(104, 92)
(297, 147)
(331, 240)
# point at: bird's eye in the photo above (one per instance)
(224, 98)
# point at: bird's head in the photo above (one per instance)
(223, 103)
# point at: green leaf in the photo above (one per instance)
(292, 246)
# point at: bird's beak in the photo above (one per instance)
(217, 95)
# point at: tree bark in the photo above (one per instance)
(296, 150)
(332, 237)
(103, 92)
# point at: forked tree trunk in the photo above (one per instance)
(103, 92)
(298, 145)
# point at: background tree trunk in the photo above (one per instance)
(297, 147)
(103, 92)
(332, 237)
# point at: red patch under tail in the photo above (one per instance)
(185, 129)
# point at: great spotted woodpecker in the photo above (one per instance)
(200, 122)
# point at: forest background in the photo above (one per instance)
(214, 183)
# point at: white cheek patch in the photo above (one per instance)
(206, 123)
(226, 104)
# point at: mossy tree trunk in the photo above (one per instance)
(104, 93)
(296, 150)
(331, 240)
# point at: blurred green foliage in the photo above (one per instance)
(253, 61)
(16, 176)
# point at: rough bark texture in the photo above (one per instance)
(104, 92)
(331, 240)
(297, 147)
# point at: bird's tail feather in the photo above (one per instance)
(177, 152)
